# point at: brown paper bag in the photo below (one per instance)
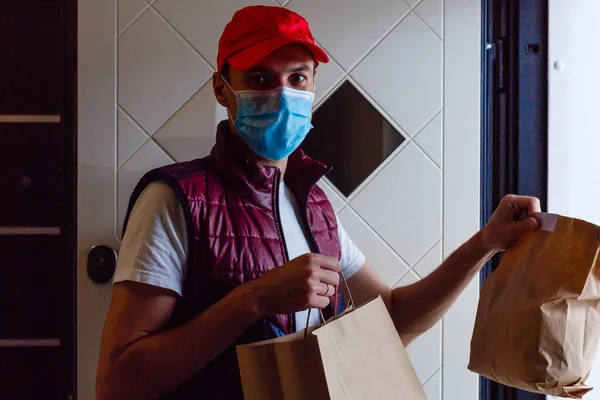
(538, 320)
(358, 355)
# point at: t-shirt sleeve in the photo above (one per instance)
(352, 258)
(154, 248)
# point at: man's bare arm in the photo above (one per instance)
(137, 361)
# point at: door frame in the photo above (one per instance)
(514, 150)
(70, 224)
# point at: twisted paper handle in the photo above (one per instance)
(335, 301)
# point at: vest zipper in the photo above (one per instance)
(283, 242)
(278, 213)
(315, 246)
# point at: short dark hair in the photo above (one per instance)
(225, 72)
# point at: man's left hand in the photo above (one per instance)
(512, 219)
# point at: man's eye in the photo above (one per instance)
(257, 80)
(298, 78)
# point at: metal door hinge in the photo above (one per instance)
(500, 63)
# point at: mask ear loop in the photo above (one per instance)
(229, 116)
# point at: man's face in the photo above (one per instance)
(290, 66)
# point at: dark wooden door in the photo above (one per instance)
(37, 199)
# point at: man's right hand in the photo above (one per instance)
(303, 283)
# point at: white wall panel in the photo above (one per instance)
(573, 134)
(146, 100)
(97, 138)
(462, 40)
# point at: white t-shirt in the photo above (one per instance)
(154, 248)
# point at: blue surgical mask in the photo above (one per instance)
(273, 123)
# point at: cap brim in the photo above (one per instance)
(251, 56)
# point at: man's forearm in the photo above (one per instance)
(158, 363)
(418, 307)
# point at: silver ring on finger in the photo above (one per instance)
(328, 288)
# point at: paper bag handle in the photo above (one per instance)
(335, 300)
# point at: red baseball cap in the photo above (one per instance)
(254, 32)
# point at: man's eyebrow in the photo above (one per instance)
(302, 68)
(263, 70)
(260, 69)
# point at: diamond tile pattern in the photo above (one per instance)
(130, 137)
(328, 75)
(425, 352)
(408, 216)
(334, 23)
(408, 279)
(158, 72)
(352, 136)
(430, 139)
(430, 261)
(149, 156)
(188, 134)
(404, 74)
(433, 387)
(389, 266)
(202, 22)
(394, 54)
(432, 13)
(127, 10)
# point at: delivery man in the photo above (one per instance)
(237, 246)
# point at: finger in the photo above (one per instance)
(329, 277)
(326, 289)
(527, 204)
(519, 228)
(328, 263)
(319, 302)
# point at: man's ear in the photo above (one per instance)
(219, 89)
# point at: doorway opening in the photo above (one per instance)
(514, 120)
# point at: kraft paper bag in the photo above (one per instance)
(358, 355)
(538, 320)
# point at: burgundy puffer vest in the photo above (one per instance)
(235, 235)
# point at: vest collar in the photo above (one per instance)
(240, 167)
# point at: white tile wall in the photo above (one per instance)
(128, 10)
(404, 74)
(130, 137)
(403, 203)
(190, 132)
(201, 22)
(433, 14)
(334, 22)
(426, 353)
(158, 71)
(430, 261)
(328, 76)
(408, 279)
(149, 156)
(430, 139)
(389, 265)
(433, 387)
(412, 211)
